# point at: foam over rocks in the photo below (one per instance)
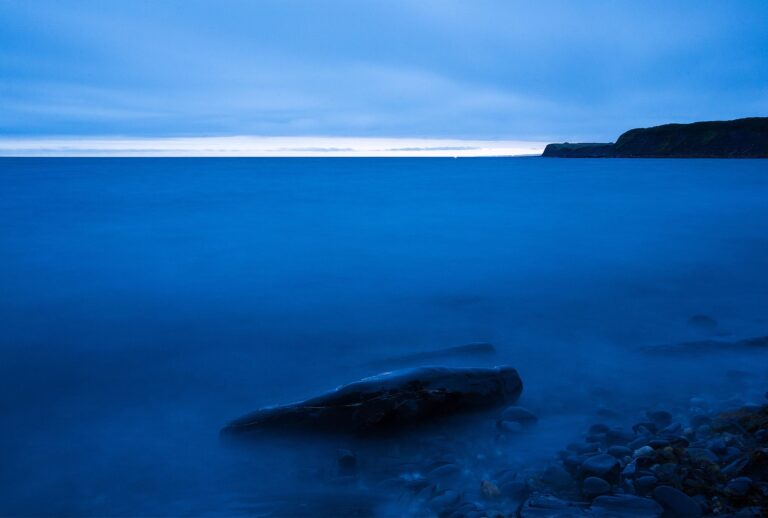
(389, 401)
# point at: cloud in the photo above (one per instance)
(264, 147)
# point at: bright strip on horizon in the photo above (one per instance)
(248, 146)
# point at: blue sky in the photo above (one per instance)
(537, 71)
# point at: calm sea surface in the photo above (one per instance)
(145, 302)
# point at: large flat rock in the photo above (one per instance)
(389, 401)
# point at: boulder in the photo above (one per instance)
(388, 402)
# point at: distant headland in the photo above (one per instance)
(740, 138)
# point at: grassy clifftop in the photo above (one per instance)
(740, 138)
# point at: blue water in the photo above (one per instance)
(145, 302)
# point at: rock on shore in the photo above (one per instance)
(389, 401)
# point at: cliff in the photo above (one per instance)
(740, 138)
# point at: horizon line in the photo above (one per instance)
(263, 147)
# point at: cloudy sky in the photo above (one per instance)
(482, 70)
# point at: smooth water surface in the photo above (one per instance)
(145, 302)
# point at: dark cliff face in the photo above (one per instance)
(740, 138)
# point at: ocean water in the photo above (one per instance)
(146, 302)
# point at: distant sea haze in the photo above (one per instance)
(252, 146)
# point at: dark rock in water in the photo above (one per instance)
(703, 323)
(675, 502)
(478, 350)
(625, 505)
(389, 401)
(704, 346)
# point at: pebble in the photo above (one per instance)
(638, 443)
(618, 436)
(556, 477)
(520, 415)
(702, 454)
(601, 465)
(735, 467)
(619, 451)
(625, 506)
(658, 444)
(595, 486)
(676, 503)
(644, 451)
(718, 446)
(630, 470)
(739, 486)
(646, 483)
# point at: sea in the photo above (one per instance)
(146, 302)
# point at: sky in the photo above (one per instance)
(424, 74)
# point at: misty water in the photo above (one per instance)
(147, 302)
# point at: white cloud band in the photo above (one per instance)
(248, 146)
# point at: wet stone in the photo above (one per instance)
(556, 477)
(676, 503)
(619, 451)
(646, 483)
(618, 436)
(739, 486)
(735, 467)
(595, 486)
(547, 506)
(625, 506)
(638, 443)
(645, 451)
(602, 465)
(718, 446)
